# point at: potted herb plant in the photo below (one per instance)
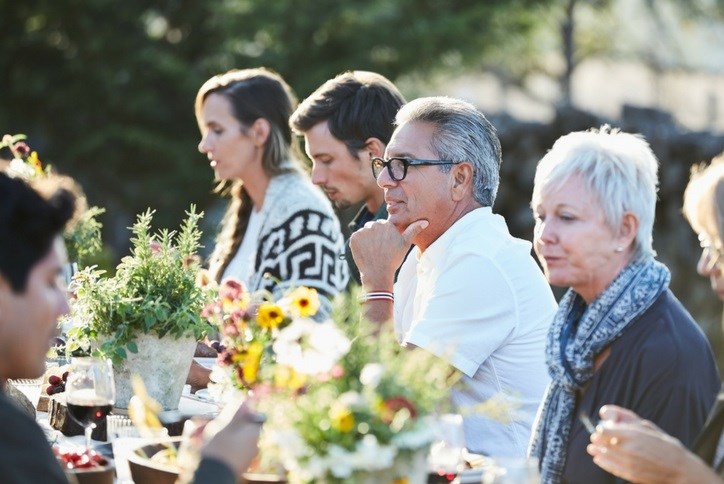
(147, 317)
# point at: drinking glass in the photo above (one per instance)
(446, 451)
(512, 470)
(30, 388)
(89, 393)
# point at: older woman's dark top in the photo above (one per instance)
(662, 368)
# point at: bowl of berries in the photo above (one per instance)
(85, 466)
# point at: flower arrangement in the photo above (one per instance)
(25, 162)
(343, 406)
(267, 343)
(154, 290)
(83, 234)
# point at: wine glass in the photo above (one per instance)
(446, 451)
(512, 470)
(89, 393)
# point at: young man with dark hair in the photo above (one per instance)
(345, 122)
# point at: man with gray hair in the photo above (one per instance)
(468, 292)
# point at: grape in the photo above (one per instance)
(54, 379)
(65, 376)
(58, 342)
(50, 390)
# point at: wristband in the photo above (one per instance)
(377, 296)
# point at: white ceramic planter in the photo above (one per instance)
(162, 363)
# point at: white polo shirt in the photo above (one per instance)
(477, 299)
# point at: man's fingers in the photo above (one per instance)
(413, 229)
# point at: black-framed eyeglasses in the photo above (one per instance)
(397, 166)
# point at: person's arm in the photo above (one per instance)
(379, 249)
(230, 451)
(198, 377)
(636, 450)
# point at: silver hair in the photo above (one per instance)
(704, 200)
(620, 170)
(462, 133)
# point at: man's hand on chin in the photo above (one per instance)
(379, 248)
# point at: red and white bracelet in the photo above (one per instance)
(377, 296)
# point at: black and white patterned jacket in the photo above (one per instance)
(299, 241)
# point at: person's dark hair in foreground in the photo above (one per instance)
(32, 298)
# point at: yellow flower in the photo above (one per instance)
(142, 409)
(341, 418)
(249, 360)
(34, 161)
(229, 306)
(269, 315)
(378, 405)
(305, 301)
(287, 377)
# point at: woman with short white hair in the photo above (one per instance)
(620, 336)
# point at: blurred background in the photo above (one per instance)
(104, 89)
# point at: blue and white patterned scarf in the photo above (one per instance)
(577, 335)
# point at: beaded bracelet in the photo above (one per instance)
(377, 296)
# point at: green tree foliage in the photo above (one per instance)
(105, 89)
(311, 41)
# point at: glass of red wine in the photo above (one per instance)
(90, 393)
(446, 452)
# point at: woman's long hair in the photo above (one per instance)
(253, 94)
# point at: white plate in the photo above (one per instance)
(204, 395)
(205, 362)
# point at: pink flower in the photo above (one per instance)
(21, 148)
(231, 289)
(231, 330)
(155, 247)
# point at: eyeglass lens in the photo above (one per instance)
(396, 167)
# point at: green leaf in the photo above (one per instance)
(132, 347)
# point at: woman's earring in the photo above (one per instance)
(619, 249)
